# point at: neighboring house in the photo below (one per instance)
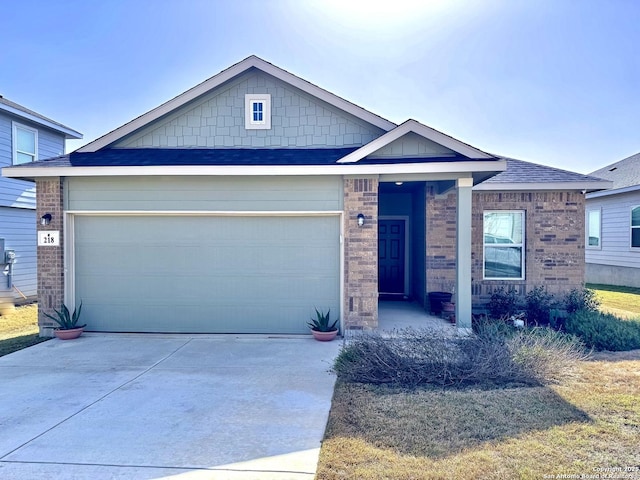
(25, 137)
(245, 202)
(613, 226)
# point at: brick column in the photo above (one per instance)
(49, 196)
(361, 253)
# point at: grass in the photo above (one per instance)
(621, 301)
(19, 329)
(586, 421)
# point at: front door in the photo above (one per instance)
(391, 252)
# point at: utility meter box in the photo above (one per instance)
(9, 256)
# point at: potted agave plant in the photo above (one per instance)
(321, 327)
(68, 323)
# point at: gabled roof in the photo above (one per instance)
(521, 175)
(413, 126)
(248, 63)
(23, 112)
(624, 173)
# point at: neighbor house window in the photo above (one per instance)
(593, 228)
(504, 245)
(635, 227)
(257, 111)
(25, 144)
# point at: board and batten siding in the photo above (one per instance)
(21, 193)
(227, 194)
(216, 120)
(615, 231)
(18, 228)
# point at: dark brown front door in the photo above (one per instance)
(391, 256)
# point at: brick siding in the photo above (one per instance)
(361, 253)
(49, 192)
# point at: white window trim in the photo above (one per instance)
(504, 245)
(586, 240)
(14, 144)
(249, 99)
(631, 228)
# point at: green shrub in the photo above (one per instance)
(503, 303)
(603, 331)
(584, 299)
(538, 305)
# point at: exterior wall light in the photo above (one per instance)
(360, 219)
(45, 219)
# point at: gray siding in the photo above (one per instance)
(615, 232)
(204, 193)
(217, 121)
(20, 193)
(412, 145)
(18, 228)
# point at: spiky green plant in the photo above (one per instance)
(322, 323)
(65, 319)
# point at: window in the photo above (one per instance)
(635, 227)
(593, 228)
(504, 245)
(257, 111)
(25, 144)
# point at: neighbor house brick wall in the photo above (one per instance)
(554, 244)
(361, 253)
(49, 193)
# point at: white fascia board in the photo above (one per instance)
(219, 79)
(617, 191)
(412, 126)
(500, 187)
(262, 170)
(68, 132)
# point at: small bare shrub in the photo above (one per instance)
(493, 356)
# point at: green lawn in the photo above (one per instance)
(19, 329)
(587, 421)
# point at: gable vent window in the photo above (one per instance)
(25, 144)
(257, 111)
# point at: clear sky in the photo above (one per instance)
(556, 82)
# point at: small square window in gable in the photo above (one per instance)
(257, 111)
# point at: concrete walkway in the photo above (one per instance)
(165, 406)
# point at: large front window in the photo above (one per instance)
(25, 144)
(503, 245)
(635, 227)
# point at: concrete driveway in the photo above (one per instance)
(165, 406)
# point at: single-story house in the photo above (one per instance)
(25, 136)
(613, 226)
(247, 201)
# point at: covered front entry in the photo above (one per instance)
(205, 273)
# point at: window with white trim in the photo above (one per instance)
(593, 228)
(257, 111)
(25, 144)
(504, 244)
(635, 227)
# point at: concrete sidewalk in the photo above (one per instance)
(165, 406)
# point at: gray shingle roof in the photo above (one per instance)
(519, 171)
(624, 173)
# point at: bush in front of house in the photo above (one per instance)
(493, 356)
(538, 306)
(603, 331)
(584, 299)
(503, 303)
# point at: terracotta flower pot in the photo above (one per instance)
(324, 336)
(68, 334)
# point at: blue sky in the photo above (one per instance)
(551, 81)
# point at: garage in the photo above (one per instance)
(205, 273)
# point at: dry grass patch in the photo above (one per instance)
(19, 329)
(584, 422)
(621, 301)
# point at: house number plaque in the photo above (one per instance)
(49, 238)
